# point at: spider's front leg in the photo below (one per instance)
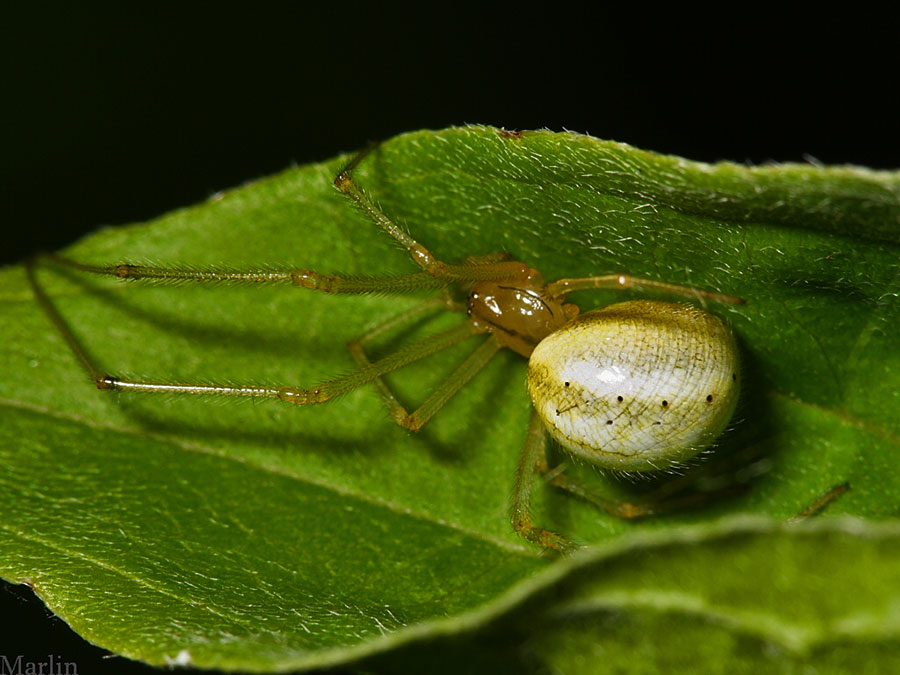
(491, 268)
(297, 395)
(622, 282)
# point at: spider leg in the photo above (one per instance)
(650, 505)
(319, 394)
(822, 502)
(357, 347)
(439, 397)
(533, 460)
(562, 287)
(329, 283)
(488, 268)
(667, 498)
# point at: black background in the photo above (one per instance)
(114, 114)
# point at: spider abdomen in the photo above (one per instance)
(636, 386)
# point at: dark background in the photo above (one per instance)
(114, 114)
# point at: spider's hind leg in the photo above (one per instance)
(533, 462)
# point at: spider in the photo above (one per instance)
(635, 386)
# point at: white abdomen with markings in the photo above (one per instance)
(636, 386)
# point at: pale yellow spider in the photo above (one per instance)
(634, 386)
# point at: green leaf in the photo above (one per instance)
(679, 601)
(263, 536)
